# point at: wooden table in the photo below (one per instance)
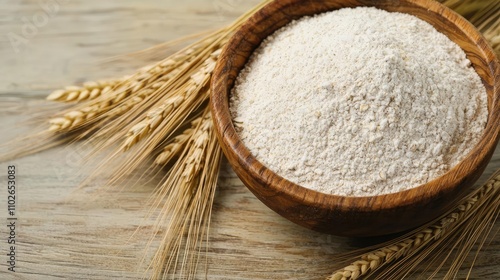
(68, 234)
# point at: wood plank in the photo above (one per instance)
(68, 234)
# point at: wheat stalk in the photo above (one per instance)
(485, 197)
(141, 91)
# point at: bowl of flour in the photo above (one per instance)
(357, 120)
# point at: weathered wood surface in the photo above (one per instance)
(65, 234)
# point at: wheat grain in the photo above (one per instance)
(438, 230)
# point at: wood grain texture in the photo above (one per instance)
(72, 235)
(355, 216)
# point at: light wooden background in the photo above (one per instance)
(87, 238)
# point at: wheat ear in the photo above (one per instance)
(177, 144)
(150, 88)
(86, 113)
(74, 119)
(414, 243)
(78, 117)
(185, 200)
(88, 91)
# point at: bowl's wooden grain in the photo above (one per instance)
(354, 216)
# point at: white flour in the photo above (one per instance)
(359, 102)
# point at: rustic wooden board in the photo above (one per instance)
(68, 234)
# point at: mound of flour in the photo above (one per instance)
(359, 102)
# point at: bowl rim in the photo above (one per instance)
(232, 143)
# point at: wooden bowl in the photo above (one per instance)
(354, 216)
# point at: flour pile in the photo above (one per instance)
(359, 102)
